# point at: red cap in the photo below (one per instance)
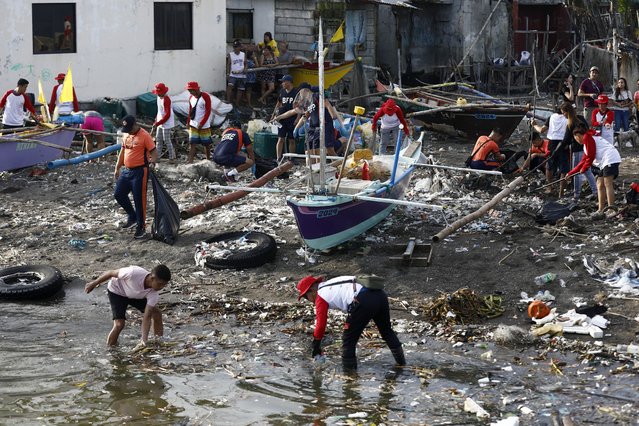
(192, 85)
(602, 99)
(306, 283)
(60, 76)
(160, 89)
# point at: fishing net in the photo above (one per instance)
(303, 99)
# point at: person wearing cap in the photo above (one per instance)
(199, 120)
(138, 153)
(227, 152)
(236, 73)
(164, 121)
(134, 286)
(603, 119)
(13, 104)
(391, 117)
(64, 108)
(589, 90)
(604, 158)
(347, 294)
(284, 104)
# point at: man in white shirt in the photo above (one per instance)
(139, 288)
(13, 104)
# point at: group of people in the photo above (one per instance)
(242, 60)
(574, 146)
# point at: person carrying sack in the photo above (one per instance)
(363, 299)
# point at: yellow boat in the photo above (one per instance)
(308, 73)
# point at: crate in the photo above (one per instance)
(110, 107)
(146, 105)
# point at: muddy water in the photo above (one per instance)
(56, 370)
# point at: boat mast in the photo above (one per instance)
(322, 138)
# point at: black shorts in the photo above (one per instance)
(286, 131)
(609, 170)
(560, 162)
(120, 303)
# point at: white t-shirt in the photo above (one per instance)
(390, 121)
(200, 109)
(341, 295)
(170, 123)
(237, 64)
(557, 124)
(624, 95)
(130, 283)
(13, 109)
(606, 153)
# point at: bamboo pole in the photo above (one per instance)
(478, 213)
(234, 196)
(461, 107)
(459, 169)
(94, 132)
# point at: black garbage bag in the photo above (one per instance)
(166, 218)
(552, 211)
(265, 165)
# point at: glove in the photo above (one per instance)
(296, 132)
(317, 347)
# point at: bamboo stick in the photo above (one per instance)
(478, 213)
(460, 169)
(460, 107)
(94, 132)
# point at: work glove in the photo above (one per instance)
(317, 347)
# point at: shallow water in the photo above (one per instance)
(57, 370)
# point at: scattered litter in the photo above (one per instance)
(471, 406)
(77, 243)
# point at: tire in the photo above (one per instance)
(250, 258)
(30, 282)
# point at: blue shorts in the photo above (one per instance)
(229, 160)
(286, 131)
(200, 137)
(313, 138)
(237, 82)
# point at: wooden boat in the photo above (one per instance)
(309, 73)
(460, 111)
(325, 221)
(31, 147)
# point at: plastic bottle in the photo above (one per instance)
(545, 278)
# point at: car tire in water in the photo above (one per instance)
(29, 282)
(263, 252)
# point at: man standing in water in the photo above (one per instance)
(139, 288)
(362, 304)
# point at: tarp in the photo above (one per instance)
(166, 218)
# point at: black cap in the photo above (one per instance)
(127, 123)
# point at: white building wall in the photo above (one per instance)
(115, 49)
(263, 16)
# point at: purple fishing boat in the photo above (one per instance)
(19, 154)
(325, 221)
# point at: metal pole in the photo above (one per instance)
(322, 138)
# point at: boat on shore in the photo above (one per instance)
(456, 109)
(326, 221)
(309, 73)
(30, 147)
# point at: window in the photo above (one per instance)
(173, 25)
(53, 28)
(239, 24)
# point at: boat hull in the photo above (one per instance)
(17, 155)
(327, 221)
(309, 73)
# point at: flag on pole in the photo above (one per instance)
(67, 87)
(41, 97)
(339, 34)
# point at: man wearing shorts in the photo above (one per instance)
(199, 120)
(93, 121)
(164, 121)
(285, 104)
(137, 287)
(236, 73)
(13, 104)
(227, 152)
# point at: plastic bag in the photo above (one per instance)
(551, 212)
(166, 218)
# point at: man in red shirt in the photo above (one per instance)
(164, 121)
(486, 154)
(391, 117)
(362, 304)
(64, 107)
(13, 104)
(137, 154)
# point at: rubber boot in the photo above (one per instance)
(398, 354)
(349, 364)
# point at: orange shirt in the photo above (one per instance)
(542, 149)
(135, 147)
(488, 152)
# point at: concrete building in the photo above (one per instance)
(115, 48)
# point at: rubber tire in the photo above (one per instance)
(50, 282)
(258, 256)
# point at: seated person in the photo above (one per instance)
(486, 154)
(537, 154)
(227, 152)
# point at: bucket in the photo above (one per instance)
(265, 144)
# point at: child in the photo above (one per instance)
(537, 154)
(606, 159)
(136, 287)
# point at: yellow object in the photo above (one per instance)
(310, 74)
(362, 154)
(339, 34)
(67, 87)
(41, 97)
(359, 110)
(461, 101)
